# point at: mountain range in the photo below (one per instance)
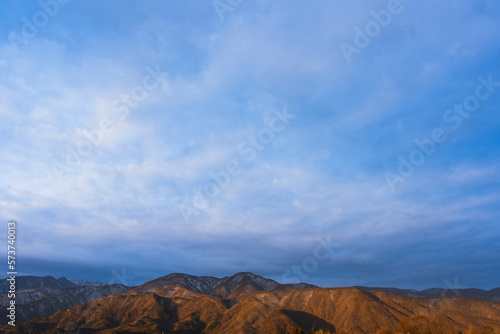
(242, 303)
(43, 296)
(478, 294)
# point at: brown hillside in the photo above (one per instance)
(341, 310)
(457, 311)
(251, 317)
(146, 313)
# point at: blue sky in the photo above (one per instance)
(117, 117)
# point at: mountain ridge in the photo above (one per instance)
(240, 296)
(228, 286)
(206, 285)
(339, 310)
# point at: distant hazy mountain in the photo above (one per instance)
(80, 282)
(32, 282)
(478, 294)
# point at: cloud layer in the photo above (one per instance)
(203, 174)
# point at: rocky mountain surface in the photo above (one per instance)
(44, 296)
(347, 310)
(81, 282)
(248, 303)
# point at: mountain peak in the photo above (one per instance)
(226, 287)
(246, 273)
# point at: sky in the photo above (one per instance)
(338, 143)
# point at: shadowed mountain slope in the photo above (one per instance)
(44, 301)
